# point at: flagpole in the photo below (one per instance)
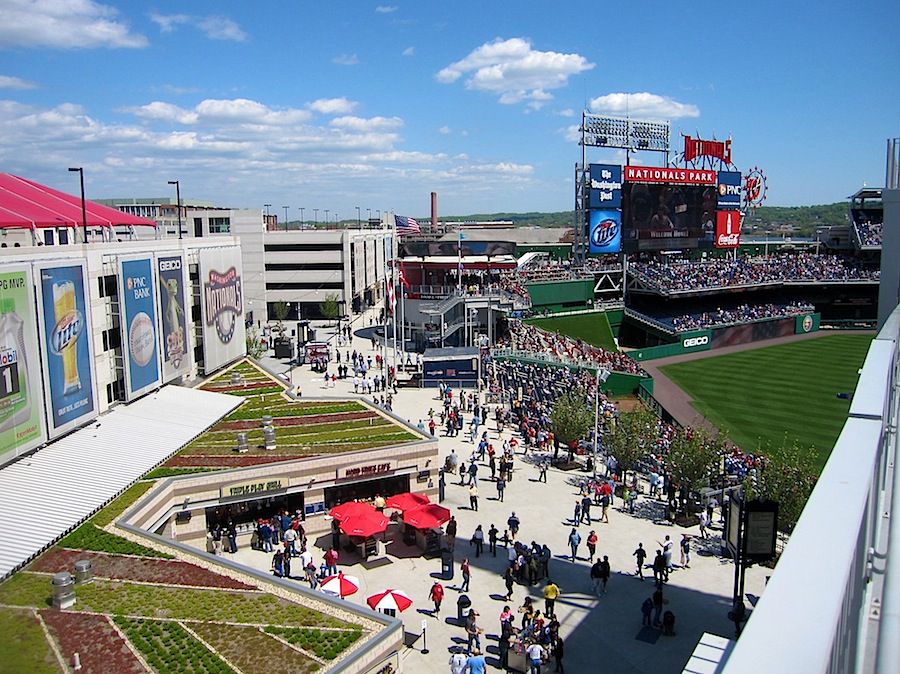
(395, 246)
(459, 260)
(401, 287)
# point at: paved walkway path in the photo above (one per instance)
(601, 633)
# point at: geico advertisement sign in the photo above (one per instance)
(695, 341)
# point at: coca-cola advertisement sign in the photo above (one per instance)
(728, 229)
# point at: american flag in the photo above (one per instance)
(406, 225)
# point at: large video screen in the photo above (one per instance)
(664, 216)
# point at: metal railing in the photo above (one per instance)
(833, 603)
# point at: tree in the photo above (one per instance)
(693, 455)
(788, 477)
(329, 307)
(281, 311)
(256, 347)
(632, 437)
(572, 419)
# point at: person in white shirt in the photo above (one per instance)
(457, 663)
(535, 654)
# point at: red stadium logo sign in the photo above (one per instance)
(718, 149)
(728, 229)
(678, 176)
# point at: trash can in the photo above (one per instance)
(63, 590)
(447, 565)
(83, 572)
(463, 604)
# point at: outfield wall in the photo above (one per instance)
(553, 296)
(618, 383)
(717, 338)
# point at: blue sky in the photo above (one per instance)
(338, 105)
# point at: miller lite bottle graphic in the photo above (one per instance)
(69, 324)
(15, 404)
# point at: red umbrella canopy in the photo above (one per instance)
(389, 599)
(351, 509)
(406, 501)
(428, 516)
(341, 585)
(364, 524)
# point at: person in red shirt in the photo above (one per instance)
(331, 558)
(437, 596)
(592, 544)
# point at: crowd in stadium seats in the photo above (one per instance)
(675, 276)
(525, 337)
(870, 233)
(744, 313)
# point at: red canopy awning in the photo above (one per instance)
(351, 509)
(364, 525)
(30, 205)
(429, 516)
(406, 501)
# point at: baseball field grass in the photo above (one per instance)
(592, 328)
(790, 390)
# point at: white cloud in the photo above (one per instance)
(409, 51)
(572, 133)
(8, 82)
(346, 59)
(386, 9)
(566, 112)
(228, 111)
(166, 112)
(214, 27)
(361, 124)
(445, 130)
(332, 106)
(643, 105)
(514, 71)
(64, 24)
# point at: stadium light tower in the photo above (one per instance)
(178, 200)
(80, 171)
(285, 217)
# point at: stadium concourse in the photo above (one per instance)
(603, 631)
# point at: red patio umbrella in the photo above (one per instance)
(341, 585)
(428, 516)
(393, 600)
(350, 509)
(406, 501)
(364, 524)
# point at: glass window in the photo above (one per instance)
(220, 225)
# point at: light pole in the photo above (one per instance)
(596, 421)
(285, 217)
(369, 215)
(83, 204)
(267, 206)
(326, 218)
(301, 216)
(335, 218)
(358, 226)
(316, 214)
(178, 199)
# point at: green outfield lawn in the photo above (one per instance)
(592, 328)
(763, 394)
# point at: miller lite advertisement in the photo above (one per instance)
(137, 321)
(173, 322)
(605, 230)
(222, 307)
(65, 327)
(728, 229)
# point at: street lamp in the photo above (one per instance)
(316, 214)
(285, 217)
(301, 216)
(178, 199)
(326, 218)
(83, 204)
(368, 215)
(357, 218)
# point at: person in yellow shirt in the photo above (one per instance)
(551, 592)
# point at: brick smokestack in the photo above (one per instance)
(434, 212)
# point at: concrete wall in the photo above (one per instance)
(889, 288)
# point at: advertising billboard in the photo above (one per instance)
(728, 229)
(222, 306)
(21, 397)
(138, 323)
(729, 190)
(173, 320)
(659, 216)
(605, 228)
(670, 176)
(65, 333)
(606, 186)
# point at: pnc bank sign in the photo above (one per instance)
(691, 342)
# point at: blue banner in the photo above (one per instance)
(67, 347)
(138, 325)
(729, 190)
(606, 186)
(605, 231)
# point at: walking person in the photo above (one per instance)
(458, 663)
(466, 575)
(586, 509)
(542, 466)
(659, 568)
(436, 594)
(492, 540)
(551, 593)
(640, 555)
(667, 546)
(451, 533)
(513, 524)
(576, 518)
(558, 653)
(592, 545)
(473, 497)
(595, 578)
(478, 540)
(604, 573)
(685, 546)
(501, 487)
(535, 655)
(509, 578)
(704, 522)
(574, 542)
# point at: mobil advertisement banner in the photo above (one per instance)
(728, 229)
(21, 396)
(138, 325)
(605, 230)
(222, 306)
(729, 190)
(606, 186)
(173, 322)
(65, 335)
